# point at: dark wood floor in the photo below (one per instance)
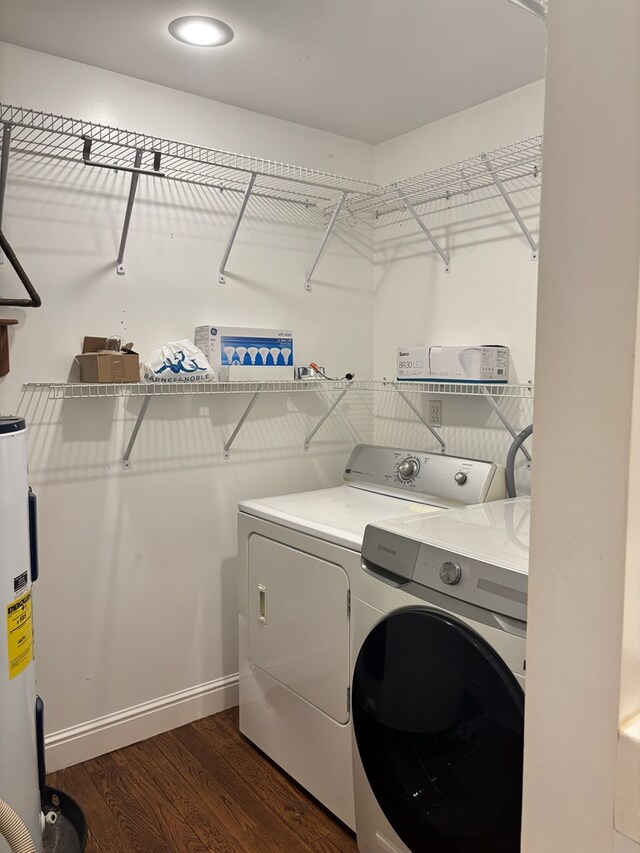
(196, 789)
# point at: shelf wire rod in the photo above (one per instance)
(127, 217)
(420, 416)
(514, 210)
(467, 202)
(466, 180)
(442, 191)
(226, 450)
(31, 134)
(4, 171)
(329, 411)
(518, 164)
(325, 239)
(306, 201)
(226, 184)
(489, 397)
(120, 139)
(245, 199)
(126, 459)
(444, 255)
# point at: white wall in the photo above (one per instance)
(584, 549)
(137, 597)
(490, 294)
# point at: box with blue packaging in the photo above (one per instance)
(240, 354)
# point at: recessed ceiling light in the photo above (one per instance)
(201, 31)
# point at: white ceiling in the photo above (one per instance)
(365, 69)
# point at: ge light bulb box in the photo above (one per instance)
(486, 364)
(238, 354)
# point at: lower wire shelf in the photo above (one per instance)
(92, 390)
(149, 390)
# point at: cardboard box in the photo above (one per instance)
(97, 364)
(237, 354)
(485, 364)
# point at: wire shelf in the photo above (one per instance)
(470, 178)
(86, 390)
(148, 390)
(40, 134)
(469, 389)
(59, 137)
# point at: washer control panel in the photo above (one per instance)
(425, 477)
(496, 588)
(409, 561)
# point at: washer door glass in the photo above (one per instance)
(439, 723)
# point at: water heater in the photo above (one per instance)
(21, 748)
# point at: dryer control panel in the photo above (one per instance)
(434, 478)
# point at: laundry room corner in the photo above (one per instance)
(488, 293)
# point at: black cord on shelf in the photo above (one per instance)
(347, 376)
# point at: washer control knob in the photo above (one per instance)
(460, 478)
(408, 469)
(450, 573)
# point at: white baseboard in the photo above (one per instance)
(113, 731)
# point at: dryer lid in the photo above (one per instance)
(337, 515)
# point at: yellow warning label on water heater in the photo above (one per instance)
(19, 634)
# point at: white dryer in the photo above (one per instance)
(438, 682)
(299, 563)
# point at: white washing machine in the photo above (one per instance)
(299, 564)
(440, 623)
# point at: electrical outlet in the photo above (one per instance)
(435, 413)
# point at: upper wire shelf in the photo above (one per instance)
(86, 390)
(471, 178)
(63, 138)
(30, 133)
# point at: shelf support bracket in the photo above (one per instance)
(226, 450)
(4, 171)
(444, 255)
(245, 199)
(331, 408)
(506, 423)
(126, 459)
(127, 217)
(325, 240)
(514, 210)
(420, 416)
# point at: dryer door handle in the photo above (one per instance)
(262, 603)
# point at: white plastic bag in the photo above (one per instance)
(177, 361)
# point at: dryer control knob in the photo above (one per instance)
(450, 573)
(460, 478)
(408, 469)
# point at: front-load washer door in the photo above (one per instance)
(439, 725)
(299, 623)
